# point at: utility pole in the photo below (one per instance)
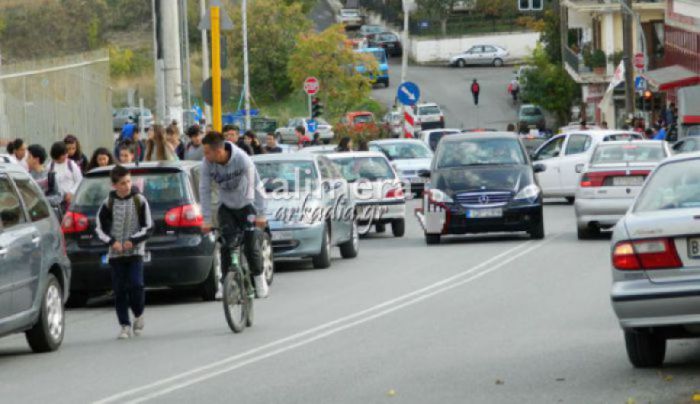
(158, 62)
(205, 55)
(627, 48)
(216, 65)
(170, 40)
(246, 73)
(404, 58)
(187, 79)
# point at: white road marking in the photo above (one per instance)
(188, 378)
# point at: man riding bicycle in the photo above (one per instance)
(241, 207)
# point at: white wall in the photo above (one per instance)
(519, 44)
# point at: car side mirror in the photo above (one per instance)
(424, 173)
(579, 168)
(539, 168)
(326, 186)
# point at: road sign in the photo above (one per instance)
(311, 125)
(639, 62)
(311, 85)
(207, 91)
(408, 93)
(640, 83)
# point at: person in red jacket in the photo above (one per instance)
(476, 89)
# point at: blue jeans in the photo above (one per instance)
(127, 282)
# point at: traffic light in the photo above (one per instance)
(316, 108)
(645, 101)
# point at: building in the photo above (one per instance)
(593, 49)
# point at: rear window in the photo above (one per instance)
(622, 136)
(605, 154)
(672, 186)
(363, 119)
(429, 110)
(531, 111)
(162, 190)
(367, 168)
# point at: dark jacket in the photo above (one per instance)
(124, 219)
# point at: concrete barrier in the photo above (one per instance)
(439, 50)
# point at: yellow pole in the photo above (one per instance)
(216, 66)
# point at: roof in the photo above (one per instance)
(681, 157)
(285, 157)
(354, 154)
(450, 130)
(148, 164)
(600, 132)
(634, 142)
(427, 104)
(396, 140)
(670, 77)
(480, 135)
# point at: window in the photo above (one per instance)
(36, 205)
(578, 144)
(689, 146)
(489, 49)
(324, 167)
(367, 168)
(10, 205)
(480, 152)
(551, 149)
(672, 186)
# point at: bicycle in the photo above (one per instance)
(237, 288)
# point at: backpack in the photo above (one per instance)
(137, 205)
(475, 88)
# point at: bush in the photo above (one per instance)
(598, 59)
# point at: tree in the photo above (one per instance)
(437, 9)
(549, 85)
(306, 5)
(550, 35)
(328, 57)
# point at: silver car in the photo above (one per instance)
(481, 55)
(408, 157)
(287, 133)
(308, 207)
(656, 262)
(611, 180)
(35, 272)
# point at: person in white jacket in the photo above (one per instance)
(68, 175)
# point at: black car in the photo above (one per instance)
(388, 41)
(178, 254)
(481, 182)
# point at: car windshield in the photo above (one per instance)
(435, 137)
(672, 186)
(470, 152)
(367, 168)
(162, 190)
(373, 29)
(405, 150)
(388, 38)
(349, 13)
(363, 119)
(287, 175)
(429, 110)
(531, 111)
(605, 154)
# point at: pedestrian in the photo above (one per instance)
(660, 133)
(604, 125)
(476, 89)
(157, 149)
(19, 153)
(172, 135)
(140, 145)
(302, 139)
(100, 158)
(36, 157)
(128, 129)
(252, 141)
(514, 89)
(126, 153)
(133, 136)
(271, 144)
(68, 175)
(194, 149)
(124, 223)
(649, 133)
(345, 144)
(363, 145)
(75, 152)
(316, 140)
(510, 128)
(583, 125)
(233, 135)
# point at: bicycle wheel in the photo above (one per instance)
(233, 299)
(249, 296)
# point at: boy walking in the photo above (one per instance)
(124, 223)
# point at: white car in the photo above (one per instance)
(562, 154)
(5, 158)
(376, 190)
(394, 120)
(428, 116)
(432, 137)
(320, 149)
(408, 157)
(350, 18)
(287, 134)
(481, 55)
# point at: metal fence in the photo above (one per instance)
(465, 24)
(42, 101)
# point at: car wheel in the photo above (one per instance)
(460, 63)
(497, 62)
(47, 333)
(536, 232)
(268, 261)
(350, 248)
(210, 286)
(323, 259)
(644, 349)
(386, 83)
(432, 239)
(398, 227)
(77, 300)
(380, 227)
(570, 200)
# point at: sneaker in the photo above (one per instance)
(138, 325)
(261, 289)
(125, 332)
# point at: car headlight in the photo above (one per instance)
(531, 192)
(437, 196)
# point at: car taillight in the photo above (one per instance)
(184, 216)
(74, 223)
(646, 254)
(395, 193)
(594, 179)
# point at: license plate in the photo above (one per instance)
(105, 260)
(281, 235)
(628, 181)
(418, 180)
(694, 248)
(484, 213)
(390, 45)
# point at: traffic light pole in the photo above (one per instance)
(629, 68)
(308, 99)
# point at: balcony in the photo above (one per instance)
(582, 74)
(608, 5)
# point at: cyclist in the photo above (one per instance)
(240, 207)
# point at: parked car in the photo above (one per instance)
(122, 115)
(481, 182)
(388, 41)
(350, 18)
(562, 153)
(687, 145)
(5, 158)
(178, 254)
(376, 189)
(610, 181)
(287, 133)
(367, 29)
(408, 157)
(432, 137)
(298, 186)
(379, 55)
(393, 121)
(359, 121)
(656, 262)
(530, 117)
(428, 115)
(35, 273)
(481, 55)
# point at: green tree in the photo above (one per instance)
(328, 57)
(306, 5)
(549, 85)
(550, 35)
(437, 9)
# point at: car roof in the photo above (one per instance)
(285, 157)
(530, 106)
(181, 165)
(355, 154)
(632, 141)
(356, 113)
(480, 135)
(695, 155)
(11, 168)
(396, 140)
(427, 104)
(430, 131)
(600, 132)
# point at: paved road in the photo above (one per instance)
(477, 319)
(322, 15)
